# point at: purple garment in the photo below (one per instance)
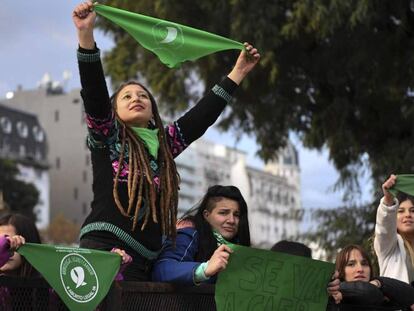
(4, 250)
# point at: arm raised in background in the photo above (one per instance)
(199, 118)
(84, 20)
(386, 222)
(100, 116)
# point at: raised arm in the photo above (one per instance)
(198, 119)
(386, 222)
(84, 19)
(246, 61)
(99, 113)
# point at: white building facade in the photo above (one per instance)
(272, 194)
(23, 141)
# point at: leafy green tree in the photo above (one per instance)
(19, 196)
(335, 72)
(338, 227)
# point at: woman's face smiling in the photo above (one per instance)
(133, 106)
(224, 218)
(405, 218)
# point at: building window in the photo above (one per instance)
(38, 133)
(56, 115)
(88, 160)
(22, 151)
(85, 176)
(6, 125)
(58, 163)
(22, 129)
(75, 193)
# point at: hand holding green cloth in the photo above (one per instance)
(404, 183)
(81, 277)
(171, 42)
(264, 280)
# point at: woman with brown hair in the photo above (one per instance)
(359, 289)
(135, 180)
(394, 234)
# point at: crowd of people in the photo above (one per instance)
(135, 196)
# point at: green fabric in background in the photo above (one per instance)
(171, 42)
(264, 280)
(81, 277)
(404, 183)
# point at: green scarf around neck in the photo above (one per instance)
(220, 239)
(150, 138)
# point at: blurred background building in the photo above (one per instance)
(23, 140)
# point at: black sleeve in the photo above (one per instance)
(361, 293)
(198, 119)
(94, 90)
(397, 291)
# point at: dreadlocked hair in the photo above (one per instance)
(141, 185)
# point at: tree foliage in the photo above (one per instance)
(19, 196)
(342, 226)
(335, 72)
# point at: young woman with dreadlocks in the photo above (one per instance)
(135, 180)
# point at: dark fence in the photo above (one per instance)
(36, 295)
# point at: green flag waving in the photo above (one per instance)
(81, 277)
(171, 42)
(404, 183)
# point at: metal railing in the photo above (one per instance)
(35, 295)
(18, 294)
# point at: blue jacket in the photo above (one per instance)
(177, 265)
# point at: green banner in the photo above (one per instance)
(259, 280)
(81, 277)
(171, 42)
(404, 183)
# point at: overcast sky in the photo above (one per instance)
(38, 37)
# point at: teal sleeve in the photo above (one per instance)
(199, 275)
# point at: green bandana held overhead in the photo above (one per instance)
(404, 183)
(81, 277)
(150, 138)
(171, 42)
